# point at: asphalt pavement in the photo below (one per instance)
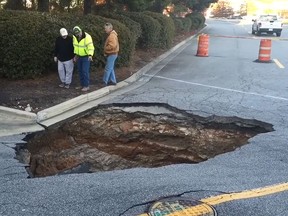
(227, 83)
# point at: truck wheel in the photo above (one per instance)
(258, 33)
(278, 34)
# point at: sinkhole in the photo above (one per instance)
(122, 136)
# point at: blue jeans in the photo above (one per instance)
(84, 71)
(109, 74)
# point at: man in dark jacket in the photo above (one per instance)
(64, 54)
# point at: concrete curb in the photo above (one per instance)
(18, 113)
(70, 104)
(83, 99)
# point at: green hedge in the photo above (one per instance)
(167, 29)
(150, 29)
(197, 19)
(191, 22)
(178, 24)
(133, 26)
(29, 40)
(187, 24)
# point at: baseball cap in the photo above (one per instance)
(76, 30)
(63, 32)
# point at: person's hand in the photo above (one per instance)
(75, 58)
(90, 58)
(55, 59)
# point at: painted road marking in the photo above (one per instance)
(249, 37)
(216, 200)
(278, 63)
(220, 88)
(258, 192)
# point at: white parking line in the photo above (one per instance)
(277, 62)
(220, 88)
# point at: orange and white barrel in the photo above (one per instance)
(265, 50)
(203, 45)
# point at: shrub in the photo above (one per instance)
(198, 20)
(150, 29)
(133, 26)
(187, 23)
(29, 38)
(167, 32)
(196, 23)
(178, 24)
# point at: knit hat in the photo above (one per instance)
(77, 30)
(63, 32)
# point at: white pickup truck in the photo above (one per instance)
(269, 24)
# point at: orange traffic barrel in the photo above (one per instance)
(203, 45)
(265, 50)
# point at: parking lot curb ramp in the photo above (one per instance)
(28, 117)
(13, 121)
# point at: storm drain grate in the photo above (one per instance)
(181, 207)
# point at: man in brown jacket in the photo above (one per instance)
(111, 49)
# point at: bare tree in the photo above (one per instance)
(222, 9)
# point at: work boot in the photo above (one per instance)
(112, 83)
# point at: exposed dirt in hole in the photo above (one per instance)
(123, 136)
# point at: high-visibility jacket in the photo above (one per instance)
(85, 46)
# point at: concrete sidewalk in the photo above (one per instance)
(13, 121)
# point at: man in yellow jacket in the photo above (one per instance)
(83, 50)
(111, 49)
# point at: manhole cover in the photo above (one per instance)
(181, 207)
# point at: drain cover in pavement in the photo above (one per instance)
(181, 207)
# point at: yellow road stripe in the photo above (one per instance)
(215, 200)
(246, 194)
(278, 64)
